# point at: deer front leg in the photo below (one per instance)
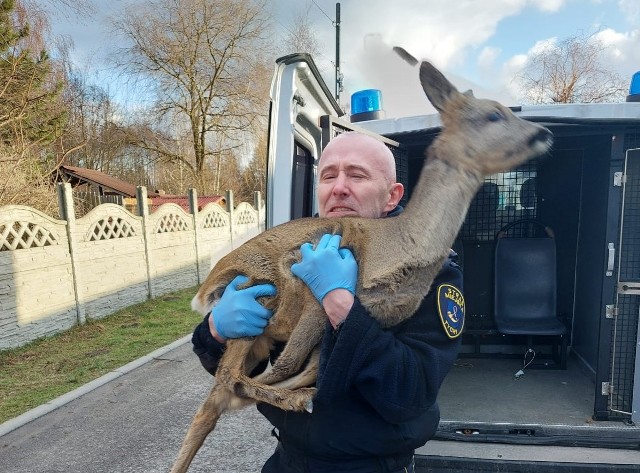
(246, 388)
(305, 336)
(307, 376)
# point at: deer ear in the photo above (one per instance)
(436, 86)
(405, 55)
(468, 93)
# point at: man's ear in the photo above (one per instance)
(395, 194)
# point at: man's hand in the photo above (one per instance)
(238, 313)
(327, 268)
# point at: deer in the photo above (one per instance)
(398, 258)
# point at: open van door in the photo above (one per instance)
(623, 390)
(299, 97)
(303, 117)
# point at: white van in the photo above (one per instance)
(577, 388)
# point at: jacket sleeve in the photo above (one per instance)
(399, 370)
(208, 349)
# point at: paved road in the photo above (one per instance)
(134, 419)
(136, 423)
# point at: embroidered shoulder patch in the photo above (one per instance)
(451, 309)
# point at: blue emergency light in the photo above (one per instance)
(634, 88)
(366, 105)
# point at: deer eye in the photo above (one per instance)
(495, 116)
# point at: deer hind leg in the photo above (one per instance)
(204, 421)
(220, 398)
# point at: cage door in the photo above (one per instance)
(624, 392)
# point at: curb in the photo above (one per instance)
(60, 401)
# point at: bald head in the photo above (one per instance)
(366, 148)
(357, 177)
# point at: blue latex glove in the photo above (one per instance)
(238, 313)
(328, 267)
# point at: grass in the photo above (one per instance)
(49, 367)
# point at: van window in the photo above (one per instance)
(302, 182)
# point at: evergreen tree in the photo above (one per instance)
(30, 111)
(32, 115)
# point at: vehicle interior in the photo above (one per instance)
(535, 352)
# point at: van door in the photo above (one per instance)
(299, 97)
(623, 390)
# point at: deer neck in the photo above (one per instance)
(438, 206)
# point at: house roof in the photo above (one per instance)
(77, 176)
(183, 201)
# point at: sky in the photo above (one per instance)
(477, 44)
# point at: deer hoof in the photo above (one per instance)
(302, 399)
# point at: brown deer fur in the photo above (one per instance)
(398, 257)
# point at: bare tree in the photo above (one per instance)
(254, 175)
(94, 120)
(301, 37)
(571, 71)
(199, 60)
(39, 14)
(82, 8)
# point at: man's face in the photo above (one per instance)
(354, 180)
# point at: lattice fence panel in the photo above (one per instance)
(171, 223)
(245, 216)
(215, 219)
(110, 228)
(21, 235)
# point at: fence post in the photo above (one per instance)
(257, 203)
(229, 197)
(193, 209)
(67, 212)
(143, 211)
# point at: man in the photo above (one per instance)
(376, 388)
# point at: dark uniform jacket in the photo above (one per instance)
(377, 388)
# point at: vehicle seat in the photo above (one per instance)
(525, 288)
(528, 198)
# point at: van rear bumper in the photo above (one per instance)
(501, 453)
(615, 435)
(441, 464)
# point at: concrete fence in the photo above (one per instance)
(57, 273)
